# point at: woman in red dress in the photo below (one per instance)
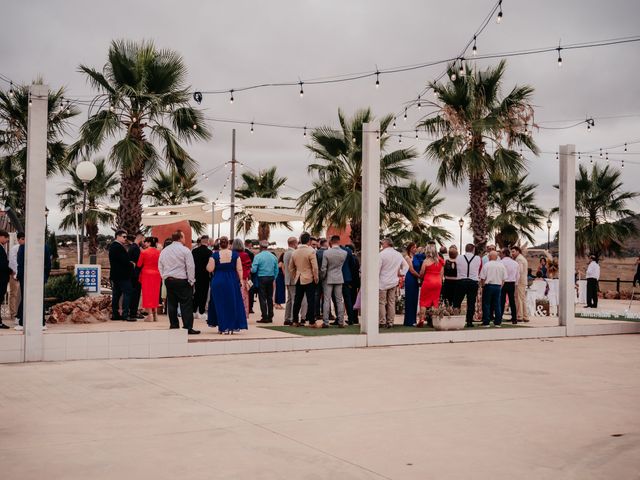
(150, 278)
(238, 246)
(431, 274)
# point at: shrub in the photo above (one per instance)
(64, 288)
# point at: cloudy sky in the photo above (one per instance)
(230, 44)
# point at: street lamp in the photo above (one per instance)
(461, 223)
(46, 223)
(549, 223)
(85, 171)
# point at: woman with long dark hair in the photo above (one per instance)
(412, 284)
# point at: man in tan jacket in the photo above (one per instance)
(303, 268)
(521, 284)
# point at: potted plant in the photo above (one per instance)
(446, 318)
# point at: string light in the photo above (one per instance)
(600, 153)
(400, 139)
(394, 123)
(526, 129)
(499, 19)
(625, 147)
(112, 108)
(197, 96)
(251, 127)
(475, 49)
(419, 104)
(231, 98)
(377, 79)
(134, 119)
(195, 127)
(607, 157)
(559, 57)
(11, 93)
(377, 134)
(461, 72)
(405, 114)
(556, 155)
(579, 156)
(590, 123)
(453, 77)
(416, 133)
(591, 159)
(301, 90)
(304, 131)
(30, 101)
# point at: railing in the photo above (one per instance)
(618, 282)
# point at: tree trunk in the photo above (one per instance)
(478, 201)
(130, 209)
(92, 237)
(264, 231)
(356, 235)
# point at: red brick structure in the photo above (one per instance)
(162, 232)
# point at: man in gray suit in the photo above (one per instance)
(289, 281)
(331, 276)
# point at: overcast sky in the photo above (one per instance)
(229, 44)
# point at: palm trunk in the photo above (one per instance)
(478, 201)
(356, 235)
(92, 237)
(130, 209)
(264, 231)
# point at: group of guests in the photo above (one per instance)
(432, 276)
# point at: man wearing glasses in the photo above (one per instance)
(120, 276)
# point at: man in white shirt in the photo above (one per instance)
(521, 284)
(509, 287)
(468, 268)
(392, 268)
(178, 272)
(593, 275)
(14, 284)
(493, 275)
(485, 258)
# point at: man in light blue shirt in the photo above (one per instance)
(265, 265)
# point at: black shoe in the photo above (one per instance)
(334, 323)
(288, 323)
(191, 331)
(132, 319)
(173, 328)
(251, 311)
(469, 325)
(514, 322)
(2, 325)
(324, 325)
(140, 316)
(117, 318)
(264, 321)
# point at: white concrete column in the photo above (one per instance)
(370, 228)
(567, 237)
(35, 222)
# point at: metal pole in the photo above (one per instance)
(460, 239)
(232, 221)
(213, 220)
(549, 239)
(75, 210)
(84, 214)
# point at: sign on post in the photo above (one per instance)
(89, 276)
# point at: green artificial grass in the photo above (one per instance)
(355, 329)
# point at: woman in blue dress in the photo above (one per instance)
(226, 296)
(411, 287)
(280, 297)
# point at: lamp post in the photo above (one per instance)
(461, 223)
(85, 171)
(46, 223)
(549, 223)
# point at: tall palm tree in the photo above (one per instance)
(478, 131)
(603, 220)
(265, 184)
(335, 197)
(427, 227)
(14, 118)
(170, 189)
(144, 106)
(512, 211)
(100, 190)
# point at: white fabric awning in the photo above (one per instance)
(185, 209)
(202, 216)
(274, 214)
(267, 203)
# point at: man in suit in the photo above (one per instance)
(323, 245)
(265, 267)
(14, 285)
(333, 260)
(303, 267)
(350, 275)
(20, 277)
(5, 271)
(134, 242)
(201, 255)
(289, 281)
(120, 276)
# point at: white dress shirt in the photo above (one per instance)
(493, 273)
(593, 270)
(392, 265)
(176, 261)
(513, 269)
(13, 258)
(468, 266)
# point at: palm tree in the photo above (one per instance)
(427, 227)
(603, 220)
(144, 106)
(14, 118)
(335, 197)
(170, 189)
(265, 184)
(512, 211)
(477, 132)
(100, 190)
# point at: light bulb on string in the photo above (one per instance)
(625, 147)
(112, 108)
(304, 131)
(301, 90)
(559, 57)
(526, 129)
(416, 133)
(579, 156)
(591, 159)
(600, 153)
(134, 119)
(453, 77)
(377, 79)
(251, 127)
(11, 92)
(231, 98)
(461, 72)
(499, 18)
(475, 49)
(30, 101)
(400, 139)
(622, 166)
(394, 123)
(405, 114)
(556, 155)
(195, 127)
(419, 104)
(607, 157)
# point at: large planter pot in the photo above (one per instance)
(454, 322)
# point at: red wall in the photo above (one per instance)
(165, 231)
(345, 235)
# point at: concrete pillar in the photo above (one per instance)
(370, 228)
(567, 237)
(35, 222)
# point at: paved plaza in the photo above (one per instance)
(566, 408)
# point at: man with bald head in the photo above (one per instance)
(492, 276)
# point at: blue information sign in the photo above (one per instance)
(89, 275)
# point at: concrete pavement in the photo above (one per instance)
(536, 409)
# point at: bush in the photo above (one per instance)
(64, 288)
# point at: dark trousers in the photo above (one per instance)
(469, 289)
(120, 289)
(136, 292)
(509, 290)
(592, 292)
(491, 304)
(308, 290)
(179, 291)
(3, 291)
(200, 294)
(265, 296)
(319, 300)
(449, 291)
(348, 293)
(20, 312)
(252, 291)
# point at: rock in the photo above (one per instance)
(83, 310)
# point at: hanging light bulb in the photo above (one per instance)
(559, 57)
(591, 159)
(526, 129)
(400, 139)
(11, 92)
(600, 153)
(112, 108)
(251, 127)
(453, 77)
(579, 156)
(625, 147)
(622, 163)
(416, 133)
(231, 98)
(588, 127)
(607, 157)
(301, 90)
(134, 119)
(377, 134)
(419, 104)
(195, 127)
(405, 114)
(30, 101)
(556, 155)
(474, 49)
(394, 123)
(304, 132)
(499, 18)
(461, 72)
(377, 79)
